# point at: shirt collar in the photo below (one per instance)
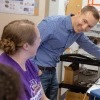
(69, 23)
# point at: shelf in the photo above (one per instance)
(78, 58)
(74, 88)
(81, 59)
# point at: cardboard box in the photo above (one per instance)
(70, 76)
(76, 96)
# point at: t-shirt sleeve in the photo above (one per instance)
(32, 66)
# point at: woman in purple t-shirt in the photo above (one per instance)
(20, 41)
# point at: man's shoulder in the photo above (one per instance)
(56, 17)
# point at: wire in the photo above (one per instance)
(96, 83)
(85, 96)
(95, 98)
(89, 88)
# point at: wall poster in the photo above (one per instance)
(17, 6)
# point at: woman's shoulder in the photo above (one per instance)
(31, 65)
(3, 58)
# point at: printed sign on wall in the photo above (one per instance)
(17, 6)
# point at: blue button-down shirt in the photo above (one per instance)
(57, 34)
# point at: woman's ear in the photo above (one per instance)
(26, 46)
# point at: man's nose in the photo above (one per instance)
(85, 27)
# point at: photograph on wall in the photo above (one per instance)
(17, 6)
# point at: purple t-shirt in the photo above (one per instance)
(29, 78)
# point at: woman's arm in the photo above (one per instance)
(39, 72)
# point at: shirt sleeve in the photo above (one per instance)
(36, 67)
(46, 28)
(85, 43)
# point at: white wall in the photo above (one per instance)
(61, 9)
(84, 3)
(53, 7)
(57, 7)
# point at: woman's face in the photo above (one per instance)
(33, 48)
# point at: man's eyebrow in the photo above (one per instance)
(85, 20)
(87, 23)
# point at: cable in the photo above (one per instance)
(85, 96)
(97, 81)
(89, 88)
(95, 98)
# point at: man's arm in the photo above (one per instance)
(85, 43)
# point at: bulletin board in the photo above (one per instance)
(95, 3)
(28, 7)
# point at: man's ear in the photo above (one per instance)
(26, 46)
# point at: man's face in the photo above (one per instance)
(84, 22)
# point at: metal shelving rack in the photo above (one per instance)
(79, 59)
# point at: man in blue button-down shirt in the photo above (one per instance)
(57, 34)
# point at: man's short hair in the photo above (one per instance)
(92, 9)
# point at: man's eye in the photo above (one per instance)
(90, 26)
(85, 21)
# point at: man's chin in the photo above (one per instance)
(79, 31)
